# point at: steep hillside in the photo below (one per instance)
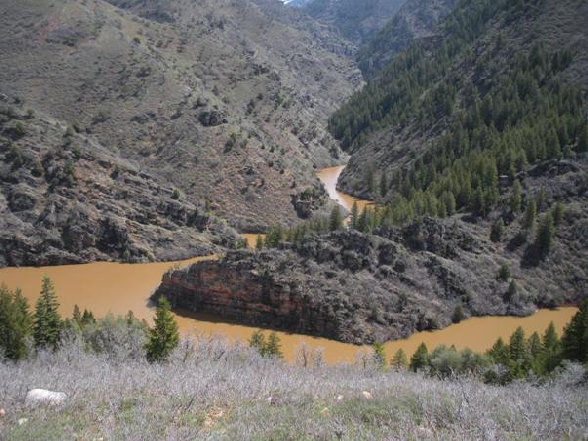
(357, 20)
(415, 20)
(485, 125)
(65, 198)
(499, 76)
(216, 98)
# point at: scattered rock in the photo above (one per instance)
(42, 396)
(212, 118)
(339, 398)
(2, 413)
(366, 395)
(22, 421)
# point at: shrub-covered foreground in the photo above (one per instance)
(212, 390)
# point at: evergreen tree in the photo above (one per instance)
(379, 354)
(504, 272)
(354, 216)
(516, 197)
(77, 316)
(257, 342)
(259, 242)
(164, 336)
(530, 214)
(420, 358)
(519, 354)
(383, 184)
(545, 234)
(273, 347)
(557, 213)
(87, 318)
(574, 341)
(15, 324)
(458, 314)
(540, 199)
(47, 322)
(552, 348)
(363, 224)
(399, 361)
(497, 230)
(336, 219)
(500, 352)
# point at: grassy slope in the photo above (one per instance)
(217, 393)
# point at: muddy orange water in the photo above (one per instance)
(252, 239)
(329, 177)
(118, 288)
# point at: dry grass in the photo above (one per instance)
(213, 391)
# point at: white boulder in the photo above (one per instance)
(42, 396)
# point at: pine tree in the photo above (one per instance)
(552, 348)
(504, 272)
(420, 358)
(458, 314)
(516, 197)
(545, 234)
(354, 215)
(273, 347)
(77, 316)
(257, 342)
(164, 336)
(15, 324)
(383, 184)
(540, 199)
(379, 354)
(87, 318)
(259, 242)
(47, 322)
(530, 214)
(500, 352)
(574, 341)
(399, 361)
(557, 213)
(519, 354)
(497, 230)
(336, 219)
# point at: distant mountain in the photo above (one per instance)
(297, 3)
(415, 20)
(357, 20)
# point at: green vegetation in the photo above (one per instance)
(15, 323)
(574, 342)
(47, 322)
(515, 112)
(269, 348)
(164, 336)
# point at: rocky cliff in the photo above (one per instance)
(362, 288)
(65, 198)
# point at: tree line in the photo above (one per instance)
(23, 332)
(537, 356)
(512, 112)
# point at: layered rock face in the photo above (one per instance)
(240, 290)
(363, 288)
